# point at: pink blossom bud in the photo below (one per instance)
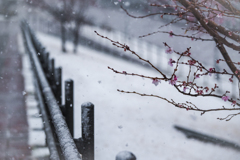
(170, 62)
(220, 15)
(225, 98)
(206, 21)
(210, 70)
(169, 50)
(197, 76)
(170, 34)
(156, 81)
(184, 89)
(191, 62)
(233, 103)
(207, 89)
(173, 80)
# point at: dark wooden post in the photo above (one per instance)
(58, 80)
(45, 62)
(52, 77)
(69, 105)
(39, 53)
(88, 131)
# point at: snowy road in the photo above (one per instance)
(142, 125)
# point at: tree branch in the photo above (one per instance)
(214, 34)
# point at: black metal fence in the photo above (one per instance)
(58, 117)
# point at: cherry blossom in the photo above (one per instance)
(184, 89)
(191, 62)
(197, 23)
(170, 34)
(220, 15)
(210, 70)
(200, 92)
(176, 8)
(225, 98)
(173, 80)
(170, 62)
(169, 50)
(207, 89)
(233, 103)
(156, 81)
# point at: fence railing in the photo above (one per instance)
(58, 118)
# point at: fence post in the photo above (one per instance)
(88, 131)
(69, 105)
(48, 72)
(45, 62)
(39, 53)
(52, 76)
(125, 155)
(58, 80)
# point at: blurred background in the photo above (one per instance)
(127, 122)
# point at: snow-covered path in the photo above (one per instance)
(142, 125)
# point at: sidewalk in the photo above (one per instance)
(13, 118)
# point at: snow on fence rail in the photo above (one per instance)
(58, 118)
(48, 85)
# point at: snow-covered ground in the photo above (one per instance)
(142, 125)
(36, 135)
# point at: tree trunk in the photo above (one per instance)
(76, 37)
(63, 36)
